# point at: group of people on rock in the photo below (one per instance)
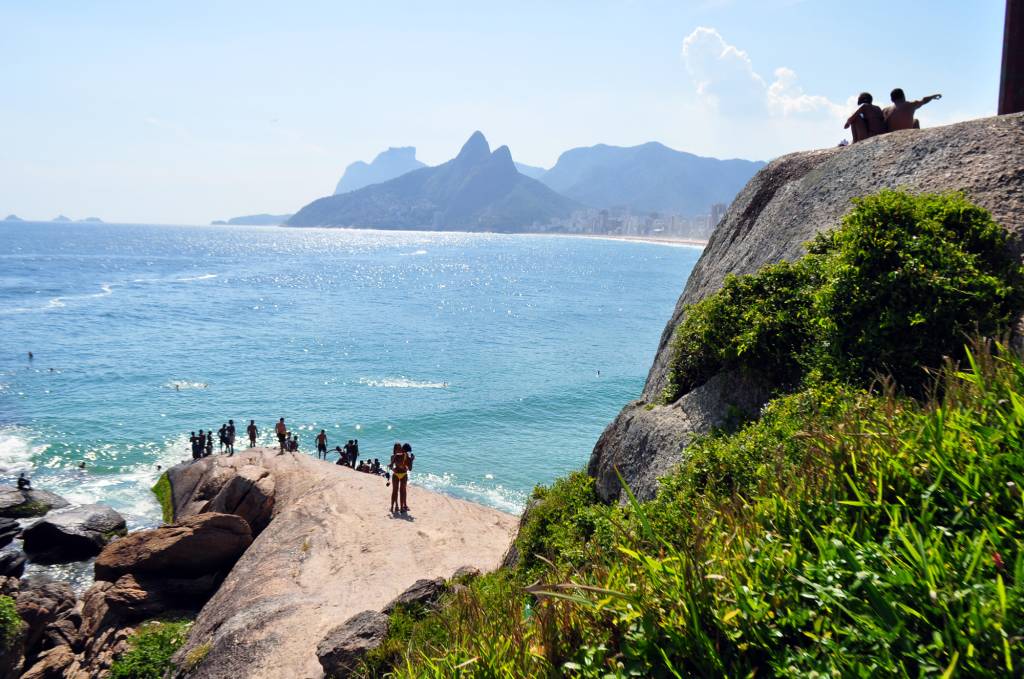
(396, 472)
(870, 121)
(201, 444)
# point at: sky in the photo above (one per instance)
(185, 112)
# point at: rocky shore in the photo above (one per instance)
(285, 563)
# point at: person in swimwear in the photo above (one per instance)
(867, 121)
(321, 444)
(900, 116)
(282, 433)
(253, 432)
(400, 467)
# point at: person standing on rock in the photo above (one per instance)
(900, 116)
(252, 432)
(201, 441)
(209, 445)
(282, 433)
(194, 442)
(321, 445)
(231, 437)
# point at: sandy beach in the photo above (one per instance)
(333, 550)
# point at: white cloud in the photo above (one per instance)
(725, 79)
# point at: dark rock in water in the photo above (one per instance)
(422, 592)
(21, 504)
(781, 208)
(347, 644)
(12, 563)
(9, 529)
(72, 534)
(201, 545)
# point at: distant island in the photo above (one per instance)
(394, 162)
(476, 191)
(61, 218)
(253, 220)
(92, 220)
(13, 218)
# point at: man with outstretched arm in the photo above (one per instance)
(900, 116)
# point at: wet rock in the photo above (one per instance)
(344, 646)
(9, 529)
(72, 534)
(422, 592)
(21, 504)
(201, 545)
(12, 563)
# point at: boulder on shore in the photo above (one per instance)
(347, 644)
(423, 592)
(72, 533)
(226, 485)
(201, 545)
(12, 563)
(785, 205)
(22, 504)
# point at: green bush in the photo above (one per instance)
(845, 533)
(898, 286)
(10, 622)
(150, 650)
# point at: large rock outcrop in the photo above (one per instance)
(783, 207)
(330, 551)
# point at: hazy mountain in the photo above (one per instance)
(530, 171)
(475, 191)
(262, 219)
(389, 164)
(648, 178)
(92, 220)
(13, 218)
(61, 218)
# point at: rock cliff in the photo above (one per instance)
(780, 209)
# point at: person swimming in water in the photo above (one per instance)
(400, 466)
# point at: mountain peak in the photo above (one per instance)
(475, 149)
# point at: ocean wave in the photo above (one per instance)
(17, 451)
(179, 385)
(496, 495)
(189, 279)
(401, 383)
(413, 254)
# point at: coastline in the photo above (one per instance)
(656, 240)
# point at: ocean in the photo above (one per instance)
(499, 358)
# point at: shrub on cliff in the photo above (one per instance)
(899, 285)
(150, 650)
(845, 533)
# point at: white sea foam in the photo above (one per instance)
(496, 495)
(16, 451)
(181, 385)
(401, 383)
(204, 277)
(413, 254)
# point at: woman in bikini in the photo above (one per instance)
(400, 465)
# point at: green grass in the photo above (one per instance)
(150, 650)
(162, 490)
(858, 527)
(10, 622)
(844, 533)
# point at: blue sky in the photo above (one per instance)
(183, 112)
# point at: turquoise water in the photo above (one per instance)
(499, 358)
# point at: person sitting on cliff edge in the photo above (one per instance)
(900, 116)
(23, 482)
(867, 121)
